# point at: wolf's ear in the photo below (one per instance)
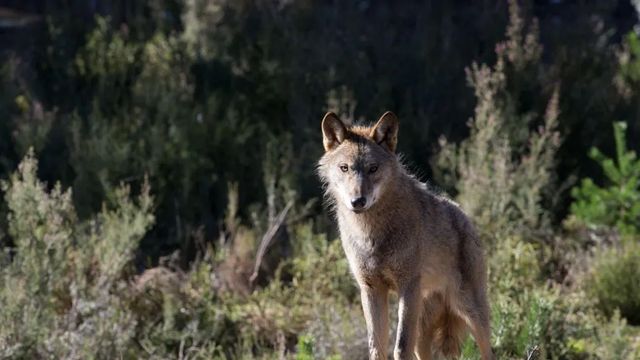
(333, 131)
(385, 132)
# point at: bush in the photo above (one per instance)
(616, 205)
(502, 171)
(63, 287)
(503, 174)
(209, 97)
(613, 281)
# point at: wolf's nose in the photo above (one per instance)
(358, 203)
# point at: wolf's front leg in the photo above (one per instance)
(408, 315)
(376, 314)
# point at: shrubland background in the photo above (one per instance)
(157, 163)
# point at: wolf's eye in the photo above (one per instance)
(373, 169)
(344, 167)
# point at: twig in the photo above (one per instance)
(267, 239)
(533, 353)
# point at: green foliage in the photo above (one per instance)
(612, 277)
(613, 339)
(304, 349)
(618, 203)
(525, 322)
(61, 289)
(216, 105)
(502, 170)
(617, 340)
(503, 173)
(630, 66)
(526, 316)
(107, 63)
(613, 281)
(628, 76)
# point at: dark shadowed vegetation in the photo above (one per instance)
(157, 162)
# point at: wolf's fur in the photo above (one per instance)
(404, 239)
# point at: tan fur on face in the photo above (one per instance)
(408, 240)
(359, 152)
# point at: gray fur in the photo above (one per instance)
(408, 240)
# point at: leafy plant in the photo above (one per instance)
(617, 203)
(501, 171)
(613, 281)
(64, 287)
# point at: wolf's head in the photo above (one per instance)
(359, 162)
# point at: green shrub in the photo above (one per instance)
(613, 281)
(64, 289)
(607, 339)
(502, 171)
(615, 340)
(222, 101)
(617, 204)
(527, 316)
(628, 76)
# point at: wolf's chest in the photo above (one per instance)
(377, 269)
(371, 260)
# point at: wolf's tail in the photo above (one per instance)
(449, 332)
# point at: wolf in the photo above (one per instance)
(399, 236)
